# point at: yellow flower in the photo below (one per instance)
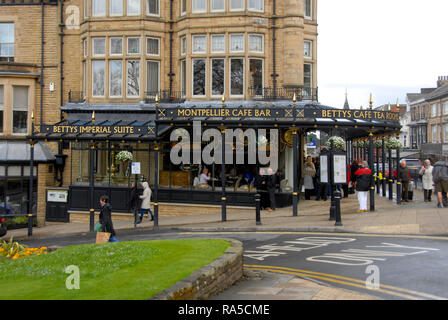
(16, 256)
(1, 249)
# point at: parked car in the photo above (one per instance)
(2, 227)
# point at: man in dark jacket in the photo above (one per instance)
(134, 199)
(440, 178)
(403, 177)
(270, 186)
(106, 217)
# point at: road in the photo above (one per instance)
(385, 266)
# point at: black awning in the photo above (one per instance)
(19, 151)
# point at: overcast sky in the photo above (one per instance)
(387, 47)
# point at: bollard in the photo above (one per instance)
(399, 192)
(337, 199)
(333, 206)
(92, 220)
(257, 209)
(30, 225)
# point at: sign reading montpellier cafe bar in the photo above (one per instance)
(274, 113)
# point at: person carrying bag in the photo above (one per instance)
(106, 232)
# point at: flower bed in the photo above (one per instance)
(14, 250)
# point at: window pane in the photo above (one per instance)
(184, 6)
(133, 78)
(199, 44)
(256, 5)
(153, 7)
(199, 5)
(98, 78)
(152, 46)
(237, 43)
(237, 76)
(218, 43)
(20, 109)
(256, 43)
(307, 49)
(236, 4)
(1, 107)
(99, 7)
(116, 76)
(116, 7)
(307, 9)
(7, 39)
(116, 46)
(133, 7)
(199, 77)
(218, 4)
(183, 44)
(99, 46)
(133, 45)
(184, 78)
(218, 77)
(152, 77)
(256, 72)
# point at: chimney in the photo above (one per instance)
(442, 81)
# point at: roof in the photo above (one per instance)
(439, 93)
(19, 151)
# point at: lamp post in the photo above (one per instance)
(399, 186)
(391, 177)
(372, 181)
(383, 159)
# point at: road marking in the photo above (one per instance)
(408, 294)
(319, 233)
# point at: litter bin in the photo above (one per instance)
(57, 206)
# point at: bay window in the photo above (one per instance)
(20, 109)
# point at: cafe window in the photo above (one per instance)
(7, 42)
(236, 5)
(20, 109)
(99, 46)
(153, 46)
(133, 78)
(256, 5)
(116, 46)
(116, 7)
(133, 7)
(152, 74)
(218, 43)
(256, 73)
(199, 77)
(99, 8)
(98, 78)
(200, 44)
(133, 46)
(153, 7)
(218, 72)
(116, 78)
(237, 77)
(2, 98)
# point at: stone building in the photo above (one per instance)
(64, 60)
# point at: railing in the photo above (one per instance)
(281, 93)
(76, 96)
(165, 96)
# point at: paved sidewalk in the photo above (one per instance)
(416, 217)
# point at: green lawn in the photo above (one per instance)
(124, 270)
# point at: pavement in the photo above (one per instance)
(415, 218)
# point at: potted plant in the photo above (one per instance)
(393, 144)
(124, 157)
(378, 144)
(338, 142)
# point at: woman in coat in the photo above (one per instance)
(106, 218)
(363, 184)
(426, 173)
(146, 202)
(309, 174)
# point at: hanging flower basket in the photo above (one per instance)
(124, 156)
(393, 144)
(338, 142)
(378, 144)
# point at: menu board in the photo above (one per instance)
(340, 170)
(323, 169)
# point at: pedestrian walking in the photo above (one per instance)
(440, 179)
(270, 186)
(308, 175)
(146, 202)
(427, 179)
(134, 199)
(363, 184)
(404, 177)
(106, 218)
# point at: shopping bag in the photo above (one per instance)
(98, 227)
(102, 237)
